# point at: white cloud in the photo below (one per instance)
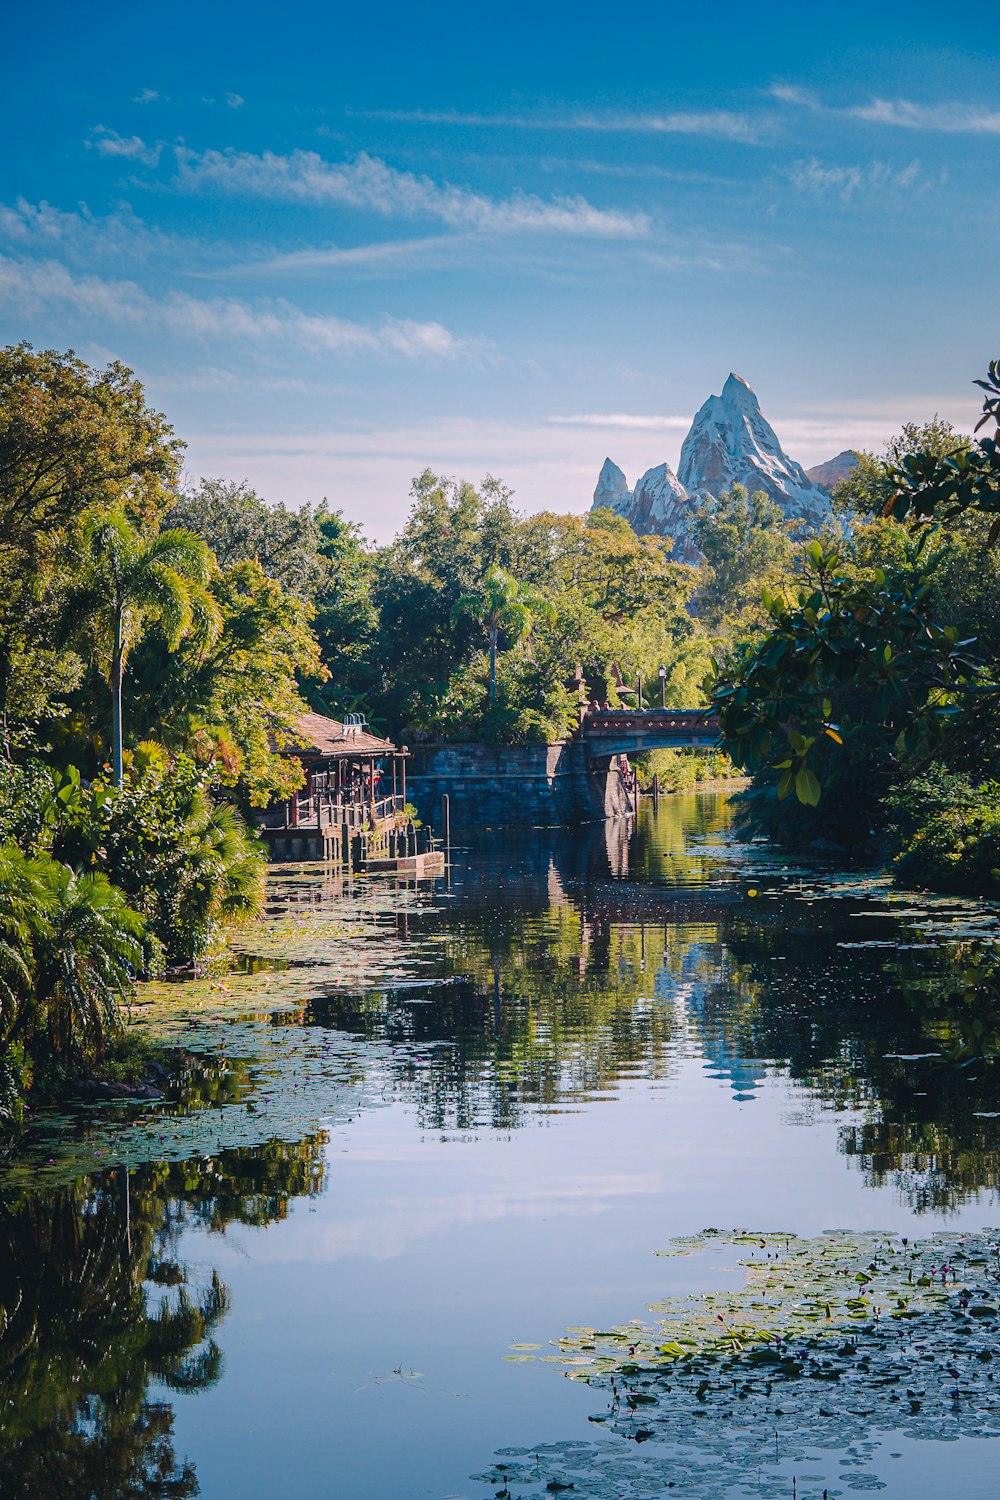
(108, 142)
(716, 122)
(790, 93)
(370, 183)
(849, 182)
(80, 233)
(953, 117)
(636, 422)
(30, 287)
(393, 253)
(234, 101)
(956, 118)
(723, 123)
(146, 96)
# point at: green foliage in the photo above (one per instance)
(884, 663)
(505, 610)
(129, 584)
(70, 948)
(230, 698)
(239, 526)
(189, 865)
(747, 546)
(346, 620)
(682, 770)
(868, 489)
(845, 653)
(948, 830)
(931, 487)
(72, 440)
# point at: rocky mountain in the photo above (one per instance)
(661, 506)
(612, 490)
(827, 476)
(730, 442)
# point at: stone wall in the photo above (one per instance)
(493, 786)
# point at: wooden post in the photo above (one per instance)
(446, 822)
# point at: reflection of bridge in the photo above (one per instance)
(609, 731)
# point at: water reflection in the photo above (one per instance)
(100, 1319)
(567, 973)
(558, 981)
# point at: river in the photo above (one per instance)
(420, 1126)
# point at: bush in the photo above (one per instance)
(188, 864)
(850, 816)
(70, 949)
(682, 770)
(949, 833)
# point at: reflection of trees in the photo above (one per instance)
(95, 1306)
(549, 995)
(534, 1011)
(852, 1025)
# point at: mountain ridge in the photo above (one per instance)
(730, 441)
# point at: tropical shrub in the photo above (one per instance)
(70, 950)
(188, 864)
(949, 832)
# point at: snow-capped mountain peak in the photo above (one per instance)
(730, 442)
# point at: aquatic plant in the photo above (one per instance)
(829, 1345)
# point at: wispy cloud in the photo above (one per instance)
(850, 182)
(791, 93)
(146, 96)
(387, 254)
(367, 182)
(107, 142)
(635, 422)
(234, 101)
(954, 118)
(80, 234)
(727, 124)
(30, 287)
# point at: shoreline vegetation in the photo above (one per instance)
(159, 639)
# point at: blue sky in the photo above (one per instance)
(341, 245)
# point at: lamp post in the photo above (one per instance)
(663, 687)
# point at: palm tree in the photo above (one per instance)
(503, 607)
(133, 583)
(86, 961)
(70, 948)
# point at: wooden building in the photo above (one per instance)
(355, 785)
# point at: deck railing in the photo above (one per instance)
(326, 811)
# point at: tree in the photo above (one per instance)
(130, 583)
(188, 864)
(503, 608)
(747, 547)
(239, 526)
(346, 621)
(846, 658)
(233, 696)
(72, 439)
(70, 949)
(930, 487)
(868, 488)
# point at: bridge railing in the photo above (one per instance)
(694, 722)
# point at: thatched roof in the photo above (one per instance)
(321, 738)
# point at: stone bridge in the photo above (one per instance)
(622, 731)
(568, 781)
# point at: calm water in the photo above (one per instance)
(476, 1130)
